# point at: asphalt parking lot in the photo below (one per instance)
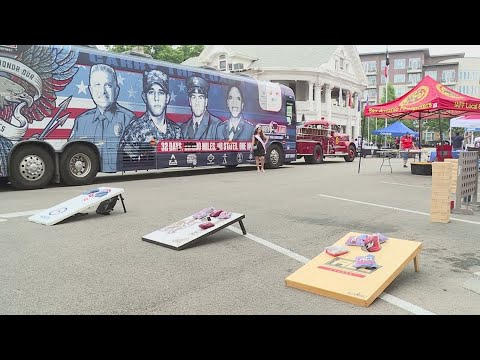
(98, 264)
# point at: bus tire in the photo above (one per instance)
(317, 157)
(31, 167)
(274, 157)
(78, 165)
(351, 154)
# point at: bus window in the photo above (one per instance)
(291, 113)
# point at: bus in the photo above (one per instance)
(69, 112)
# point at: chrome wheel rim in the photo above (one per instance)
(274, 156)
(32, 167)
(80, 165)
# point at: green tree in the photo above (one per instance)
(170, 53)
(390, 92)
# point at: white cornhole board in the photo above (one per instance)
(184, 232)
(73, 206)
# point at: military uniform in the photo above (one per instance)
(243, 131)
(104, 131)
(207, 128)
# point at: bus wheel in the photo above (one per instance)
(78, 165)
(32, 167)
(317, 157)
(274, 158)
(351, 154)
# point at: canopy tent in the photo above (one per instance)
(395, 129)
(426, 100)
(468, 121)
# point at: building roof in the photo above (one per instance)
(278, 55)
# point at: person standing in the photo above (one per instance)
(103, 125)
(457, 142)
(259, 146)
(406, 144)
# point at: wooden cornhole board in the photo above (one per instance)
(75, 206)
(185, 232)
(337, 278)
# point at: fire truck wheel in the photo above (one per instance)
(274, 157)
(78, 165)
(317, 157)
(351, 154)
(32, 167)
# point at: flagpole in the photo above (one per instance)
(387, 62)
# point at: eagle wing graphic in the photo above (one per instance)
(56, 68)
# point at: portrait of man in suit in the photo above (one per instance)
(235, 127)
(103, 125)
(201, 125)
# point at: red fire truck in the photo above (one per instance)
(318, 139)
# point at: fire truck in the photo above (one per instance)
(318, 139)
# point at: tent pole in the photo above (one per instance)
(440, 129)
(420, 136)
(360, 144)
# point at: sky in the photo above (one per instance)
(469, 50)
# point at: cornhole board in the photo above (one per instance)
(185, 232)
(75, 206)
(337, 278)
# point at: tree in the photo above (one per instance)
(171, 53)
(391, 94)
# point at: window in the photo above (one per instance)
(414, 64)
(238, 66)
(428, 136)
(336, 64)
(291, 113)
(372, 94)
(341, 64)
(222, 62)
(369, 66)
(399, 91)
(432, 74)
(399, 78)
(399, 64)
(383, 79)
(448, 76)
(229, 66)
(414, 78)
(372, 80)
(347, 68)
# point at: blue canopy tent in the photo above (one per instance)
(395, 129)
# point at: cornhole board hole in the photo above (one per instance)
(88, 199)
(337, 278)
(185, 232)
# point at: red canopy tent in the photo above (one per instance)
(427, 99)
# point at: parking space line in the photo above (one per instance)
(394, 183)
(414, 309)
(394, 208)
(18, 214)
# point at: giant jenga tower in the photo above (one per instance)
(441, 187)
(454, 163)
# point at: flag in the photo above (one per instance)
(366, 103)
(359, 104)
(387, 62)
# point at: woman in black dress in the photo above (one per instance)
(259, 142)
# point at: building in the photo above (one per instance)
(327, 80)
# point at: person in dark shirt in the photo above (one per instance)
(457, 141)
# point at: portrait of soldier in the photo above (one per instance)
(141, 136)
(201, 125)
(235, 127)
